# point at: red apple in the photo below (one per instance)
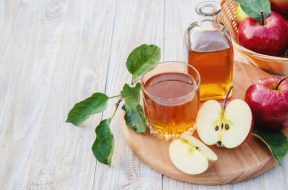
(268, 100)
(280, 6)
(271, 38)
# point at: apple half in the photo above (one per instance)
(190, 155)
(224, 126)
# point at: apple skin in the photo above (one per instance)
(270, 38)
(269, 106)
(280, 6)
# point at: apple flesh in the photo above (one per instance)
(190, 155)
(268, 104)
(227, 127)
(280, 6)
(270, 38)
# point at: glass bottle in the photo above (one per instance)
(210, 51)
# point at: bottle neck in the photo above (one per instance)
(202, 18)
(208, 10)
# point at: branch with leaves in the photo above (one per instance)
(138, 61)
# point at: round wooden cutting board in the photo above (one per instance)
(233, 165)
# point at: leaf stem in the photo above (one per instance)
(282, 80)
(227, 95)
(115, 96)
(116, 107)
(262, 18)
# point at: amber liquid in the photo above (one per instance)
(215, 68)
(175, 109)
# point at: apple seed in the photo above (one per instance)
(216, 128)
(226, 126)
(219, 143)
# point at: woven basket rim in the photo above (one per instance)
(258, 54)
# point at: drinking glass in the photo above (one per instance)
(171, 98)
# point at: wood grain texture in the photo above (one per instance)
(50, 58)
(136, 22)
(54, 53)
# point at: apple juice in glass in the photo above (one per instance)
(171, 98)
(210, 51)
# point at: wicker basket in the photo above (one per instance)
(271, 64)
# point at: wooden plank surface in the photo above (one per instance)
(53, 53)
(56, 52)
(132, 27)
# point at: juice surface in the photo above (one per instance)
(172, 105)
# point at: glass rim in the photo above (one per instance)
(208, 3)
(171, 99)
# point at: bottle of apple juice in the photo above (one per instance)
(210, 51)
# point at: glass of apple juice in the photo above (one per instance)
(171, 98)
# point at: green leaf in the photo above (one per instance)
(135, 118)
(131, 95)
(104, 143)
(82, 110)
(253, 8)
(276, 142)
(142, 58)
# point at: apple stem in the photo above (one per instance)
(279, 83)
(262, 18)
(227, 95)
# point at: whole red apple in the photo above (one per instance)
(280, 6)
(271, 38)
(268, 100)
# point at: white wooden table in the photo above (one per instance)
(54, 53)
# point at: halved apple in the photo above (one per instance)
(228, 126)
(190, 155)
